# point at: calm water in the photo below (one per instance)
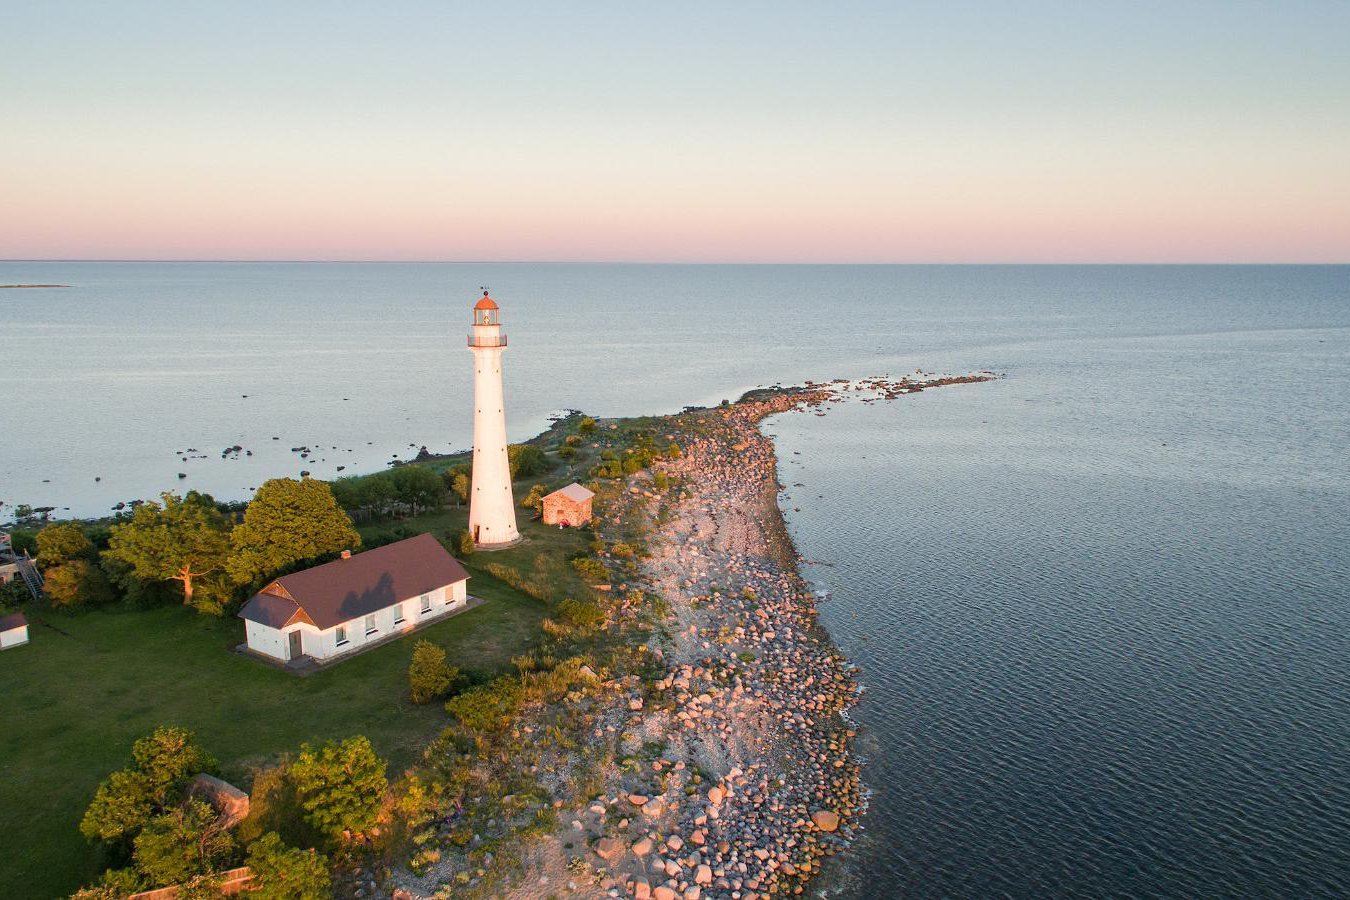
(1102, 606)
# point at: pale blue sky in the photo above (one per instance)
(870, 131)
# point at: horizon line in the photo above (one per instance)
(669, 262)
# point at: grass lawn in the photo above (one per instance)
(74, 699)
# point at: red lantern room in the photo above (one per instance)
(485, 311)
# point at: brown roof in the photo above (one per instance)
(574, 492)
(12, 621)
(486, 303)
(347, 589)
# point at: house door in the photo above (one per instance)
(297, 648)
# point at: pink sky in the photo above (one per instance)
(868, 133)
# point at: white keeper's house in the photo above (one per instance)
(331, 610)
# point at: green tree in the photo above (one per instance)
(340, 785)
(288, 522)
(13, 593)
(460, 482)
(535, 498)
(184, 539)
(169, 757)
(115, 884)
(186, 840)
(286, 873)
(418, 486)
(526, 460)
(122, 806)
(61, 543)
(429, 675)
(77, 583)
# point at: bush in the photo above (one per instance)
(340, 785)
(429, 676)
(464, 542)
(586, 425)
(488, 707)
(591, 569)
(62, 543)
(185, 841)
(583, 614)
(535, 498)
(526, 460)
(568, 453)
(285, 873)
(572, 440)
(121, 807)
(77, 583)
(673, 451)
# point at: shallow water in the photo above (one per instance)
(1101, 605)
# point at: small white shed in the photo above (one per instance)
(13, 630)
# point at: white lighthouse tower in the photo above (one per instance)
(492, 511)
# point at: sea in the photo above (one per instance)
(1100, 606)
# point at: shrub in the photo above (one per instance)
(535, 498)
(168, 757)
(121, 807)
(340, 785)
(185, 841)
(77, 583)
(572, 440)
(429, 676)
(526, 460)
(285, 873)
(567, 452)
(488, 707)
(660, 480)
(673, 451)
(586, 425)
(464, 542)
(591, 569)
(584, 614)
(61, 543)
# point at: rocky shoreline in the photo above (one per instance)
(756, 783)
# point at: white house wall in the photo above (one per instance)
(323, 644)
(265, 640)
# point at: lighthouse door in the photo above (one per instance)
(476, 529)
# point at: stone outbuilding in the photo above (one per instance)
(569, 506)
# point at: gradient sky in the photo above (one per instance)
(832, 131)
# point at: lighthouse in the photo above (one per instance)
(492, 511)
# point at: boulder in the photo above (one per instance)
(609, 848)
(825, 820)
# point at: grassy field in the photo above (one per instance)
(72, 702)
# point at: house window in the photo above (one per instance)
(341, 635)
(370, 625)
(398, 614)
(426, 603)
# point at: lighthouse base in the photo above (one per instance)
(488, 548)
